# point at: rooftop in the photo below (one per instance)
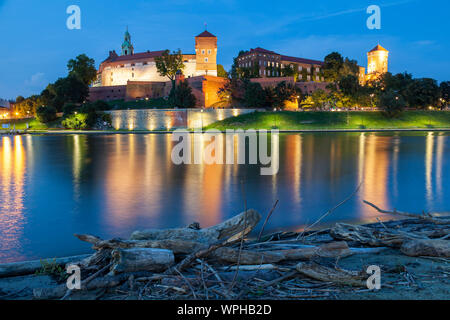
(206, 34)
(378, 48)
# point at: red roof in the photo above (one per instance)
(262, 50)
(136, 56)
(378, 48)
(206, 34)
(301, 60)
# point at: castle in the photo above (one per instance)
(377, 64)
(131, 75)
(134, 76)
(130, 66)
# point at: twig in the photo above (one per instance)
(329, 212)
(426, 217)
(267, 219)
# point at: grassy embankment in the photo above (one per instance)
(33, 124)
(286, 120)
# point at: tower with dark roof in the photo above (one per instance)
(206, 53)
(127, 46)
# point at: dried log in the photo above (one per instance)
(426, 247)
(330, 250)
(365, 235)
(30, 267)
(60, 291)
(141, 259)
(177, 246)
(426, 217)
(231, 229)
(339, 276)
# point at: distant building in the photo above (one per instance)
(134, 76)
(268, 63)
(5, 104)
(377, 64)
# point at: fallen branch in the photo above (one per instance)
(337, 276)
(425, 217)
(231, 230)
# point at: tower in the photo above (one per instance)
(377, 62)
(206, 54)
(127, 47)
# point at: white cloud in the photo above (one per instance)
(37, 80)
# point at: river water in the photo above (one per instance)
(52, 186)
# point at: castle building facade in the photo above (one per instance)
(265, 63)
(134, 76)
(130, 66)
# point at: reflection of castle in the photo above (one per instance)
(377, 64)
(135, 75)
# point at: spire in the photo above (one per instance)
(127, 46)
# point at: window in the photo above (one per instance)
(317, 70)
(206, 59)
(132, 75)
(203, 51)
(209, 51)
(145, 63)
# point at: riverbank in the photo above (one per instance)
(312, 121)
(284, 121)
(328, 264)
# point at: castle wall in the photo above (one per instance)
(166, 119)
(120, 74)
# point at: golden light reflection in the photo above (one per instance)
(293, 163)
(12, 174)
(374, 171)
(429, 146)
(439, 163)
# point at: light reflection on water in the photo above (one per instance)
(111, 185)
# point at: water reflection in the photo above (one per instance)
(111, 185)
(12, 185)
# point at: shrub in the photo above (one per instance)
(45, 114)
(76, 121)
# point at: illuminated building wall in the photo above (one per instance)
(159, 119)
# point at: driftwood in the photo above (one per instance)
(30, 267)
(141, 259)
(426, 247)
(231, 230)
(61, 290)
(365, 235)
(425, 217)
(247, 257)
(338, 276)
(177, 246)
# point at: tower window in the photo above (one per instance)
(206, 59)
(209, 51)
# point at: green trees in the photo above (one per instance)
(445, 93)
(335, 67)
(391, 103)
(423, 93)
(181, 96)
(83, 68)
(46, 114)
(221, 71)
(254, 96)
(168, 64)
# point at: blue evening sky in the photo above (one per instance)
(36, 45)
